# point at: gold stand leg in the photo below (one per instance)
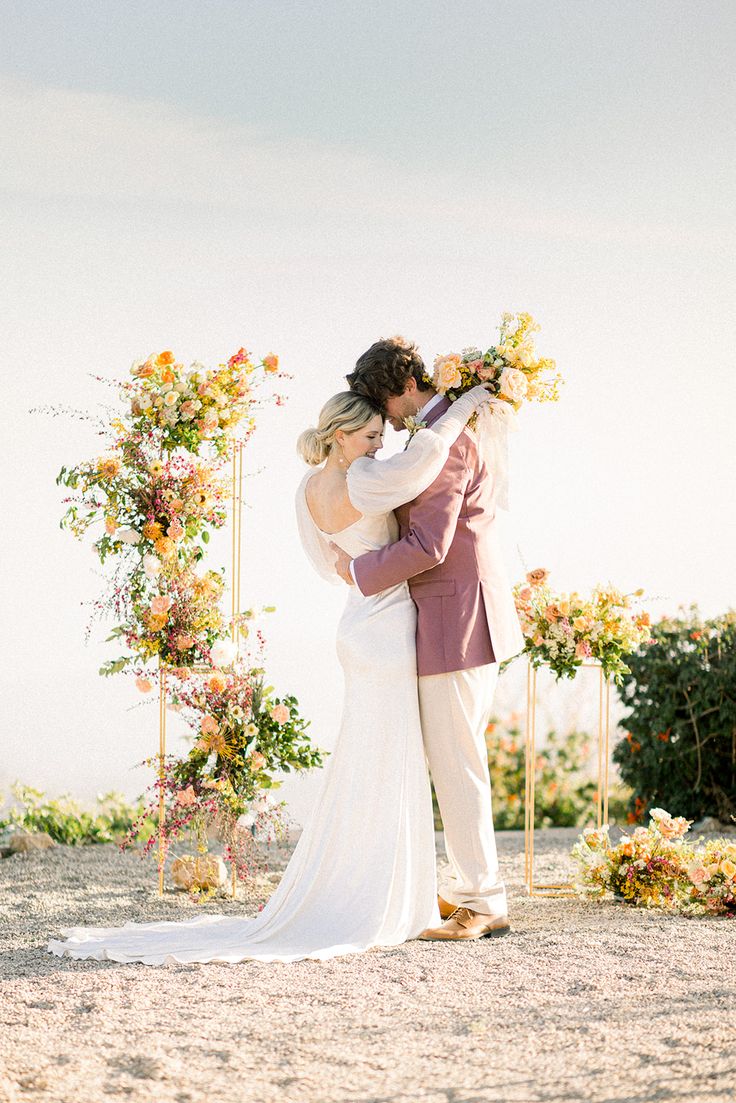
(161, 775)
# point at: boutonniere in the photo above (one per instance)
(413, 425)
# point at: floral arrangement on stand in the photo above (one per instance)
(512, 367)
(566, 630)
(654, 867)
(152, 500)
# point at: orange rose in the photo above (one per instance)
(552, 613)
(271, 362)
(164, 358)
(537, 576)
(165, 547)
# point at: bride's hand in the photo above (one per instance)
(482, 393)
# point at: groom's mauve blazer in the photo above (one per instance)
(450, 552)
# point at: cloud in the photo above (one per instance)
(68, 144)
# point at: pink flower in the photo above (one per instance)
(698, 874)
(186, 797)
(280, 714)
(161, 605)
(145, 685)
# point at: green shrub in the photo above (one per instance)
(679, 751)
(66, 821)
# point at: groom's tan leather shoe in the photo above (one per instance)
(446, 909)
(464, 924)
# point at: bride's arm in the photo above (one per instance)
(378, 486)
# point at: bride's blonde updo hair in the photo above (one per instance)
(347, 411)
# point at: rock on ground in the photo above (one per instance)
(583, 1002)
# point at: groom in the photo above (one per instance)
(450, 554)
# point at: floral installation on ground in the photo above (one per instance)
(655, 867)
(512, 367)
(565, 630)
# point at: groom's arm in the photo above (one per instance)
(434, 518)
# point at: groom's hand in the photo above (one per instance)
(342, 564)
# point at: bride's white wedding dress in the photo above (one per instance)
(363, 871)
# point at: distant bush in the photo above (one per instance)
(564, 790)
(66, 821)
(679, 751)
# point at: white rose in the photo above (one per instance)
(151, 566)
(223, 653)
(513, 384)
(128, 536)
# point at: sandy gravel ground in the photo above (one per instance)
(583, 1002)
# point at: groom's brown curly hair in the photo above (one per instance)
(385, 368)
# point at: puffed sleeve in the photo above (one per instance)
(378, 486)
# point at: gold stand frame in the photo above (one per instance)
(603, 756)
(237, 540)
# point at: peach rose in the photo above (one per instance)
(271, 362)
(209, 724)
(175, 529)
(583, 650)
(145, 685)
(447, 372)
(280, 714)
(256, 760)
(186, 797)
(537, 576)
(525, 594)
(552, 613)
(512, 384)
(697, 873)
(160, 605)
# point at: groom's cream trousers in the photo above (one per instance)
(455, 709)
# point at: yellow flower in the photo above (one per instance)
(108, 466)
(728, 868)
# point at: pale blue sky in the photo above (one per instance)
(307, 177)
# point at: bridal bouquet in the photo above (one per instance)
(565, 630)
(512, 366)
(655, 867)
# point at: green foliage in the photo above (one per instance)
(679, 752)
(66, 821)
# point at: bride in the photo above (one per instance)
(363, 871)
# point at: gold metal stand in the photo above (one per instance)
(237, 501)
(601, 795)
